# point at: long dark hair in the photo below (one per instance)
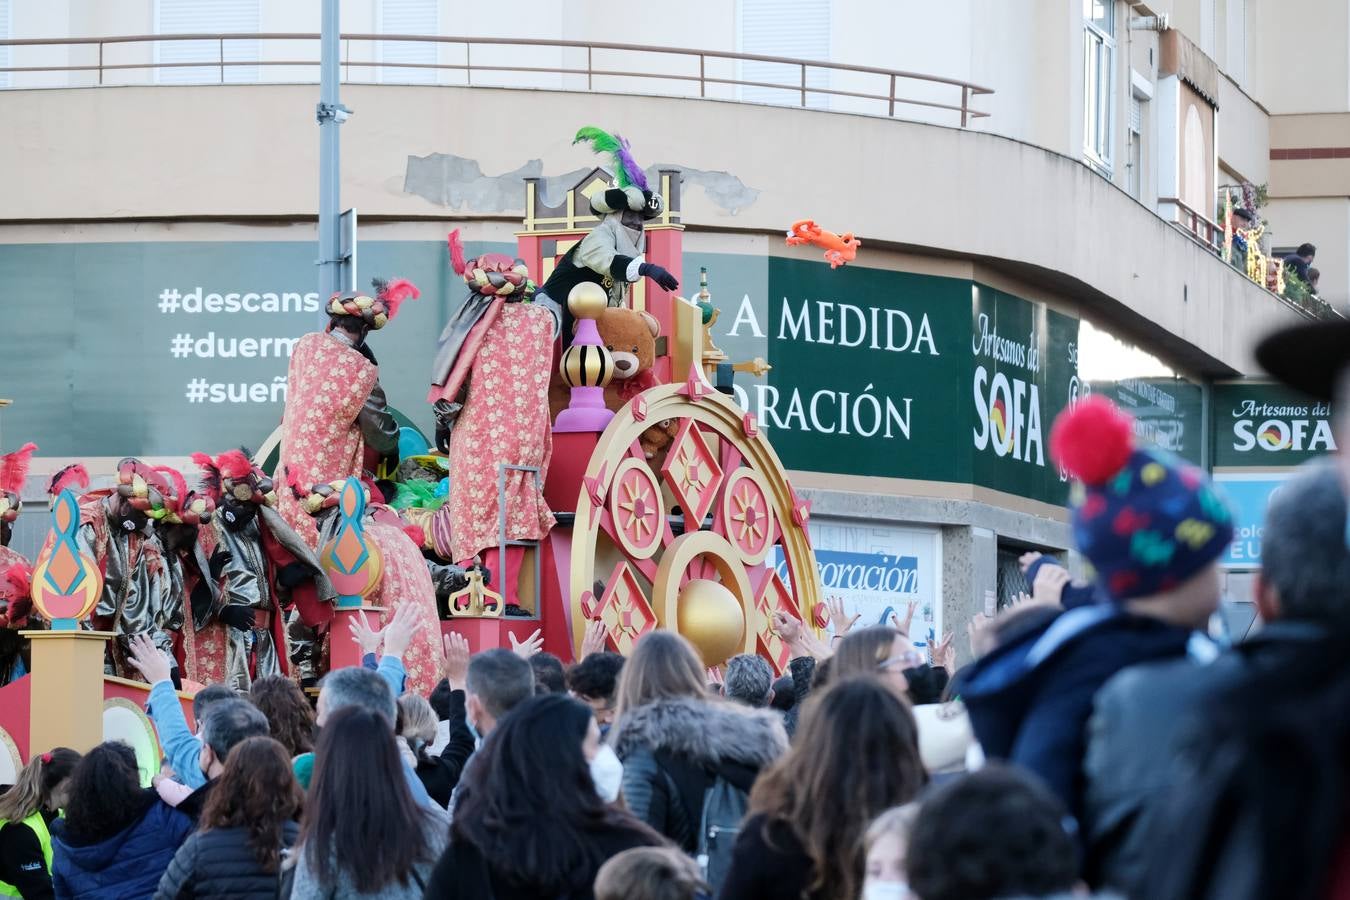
(529, 806)
(855, 756)
(290, 718)
(360, 814)
(258, 792)
(105, 793)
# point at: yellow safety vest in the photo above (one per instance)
(44, 836)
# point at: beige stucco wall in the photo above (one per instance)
(251, 151)
(1326, 222)
(1243, 133)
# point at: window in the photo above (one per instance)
(1134, 176)
(1099, 52)
(1235, 63)
(796, 28)
(409, 17)
(207, 17)
(4, 51)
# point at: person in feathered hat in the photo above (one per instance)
(265, 569)
(15, 571)
(611, 254)
(337, 422)
(117, 531)
(189, 542)
(1153, 528)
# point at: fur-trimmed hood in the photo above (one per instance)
(706, 731)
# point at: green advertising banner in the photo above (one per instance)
(1168, 412)
(871, 368)
(1258, 424)
(163, 348)
(1023, 375)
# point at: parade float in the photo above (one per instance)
(669, 507)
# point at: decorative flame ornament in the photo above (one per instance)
(586, 365)
(353, 564)
(66, 583)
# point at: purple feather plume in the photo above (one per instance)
(636, 176)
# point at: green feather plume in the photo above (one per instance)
(602, 141)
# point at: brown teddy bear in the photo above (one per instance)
(630, 337)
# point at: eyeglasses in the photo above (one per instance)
(909, 660)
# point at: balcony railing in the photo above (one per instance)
(676, 71)
(1265, 272)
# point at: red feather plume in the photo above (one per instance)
(14, 468)
(210, 475)
(72, 476)
(456, 252)
(395, 292)
(179, 483)
(1093, 440)
(415, 532)
(20, 579)
(234, 464)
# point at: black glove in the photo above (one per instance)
(446, 413)
(659, 275)
(238, 617)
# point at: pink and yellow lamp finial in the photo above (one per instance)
(66, 583)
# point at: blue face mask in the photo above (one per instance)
(477, 738)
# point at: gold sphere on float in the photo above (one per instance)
(587, 300)
(711, 618)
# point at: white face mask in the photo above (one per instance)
(607, 773)
(885, 890)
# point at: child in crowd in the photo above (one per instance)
(650, 873)
(887, 842)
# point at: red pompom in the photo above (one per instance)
(415, 532)
(1093, 440)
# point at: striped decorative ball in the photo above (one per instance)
(586, 365)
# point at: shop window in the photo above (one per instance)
(409, 17)
(207, 17)
(1099, 53)
(795, 28)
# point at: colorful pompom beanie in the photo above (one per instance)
(1145, 519)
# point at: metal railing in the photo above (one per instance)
(1210, 233)
(692, 70)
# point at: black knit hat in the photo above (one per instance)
(1308, 358)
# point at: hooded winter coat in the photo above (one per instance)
(123, 866)
(1030, 700)
(673, 750)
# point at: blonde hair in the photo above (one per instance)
(898, 820)
(649, 873)
(418, 722)
(863, 651)
(664, 665)
(33, 787)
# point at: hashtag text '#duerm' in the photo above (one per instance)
(183, 345)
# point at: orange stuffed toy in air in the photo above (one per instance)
(839, 249)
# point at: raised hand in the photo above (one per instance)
(367, 638)
(1026, 559)
(944, 653)
(455, 665)
(788, 627)
(528, 647)
(148, 659)
(903, 627)
(843, 622)
(398, 634)
(595, 639)
(1049, 584)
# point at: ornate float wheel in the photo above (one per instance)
(696, 546)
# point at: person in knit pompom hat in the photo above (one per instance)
(1153, 528)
